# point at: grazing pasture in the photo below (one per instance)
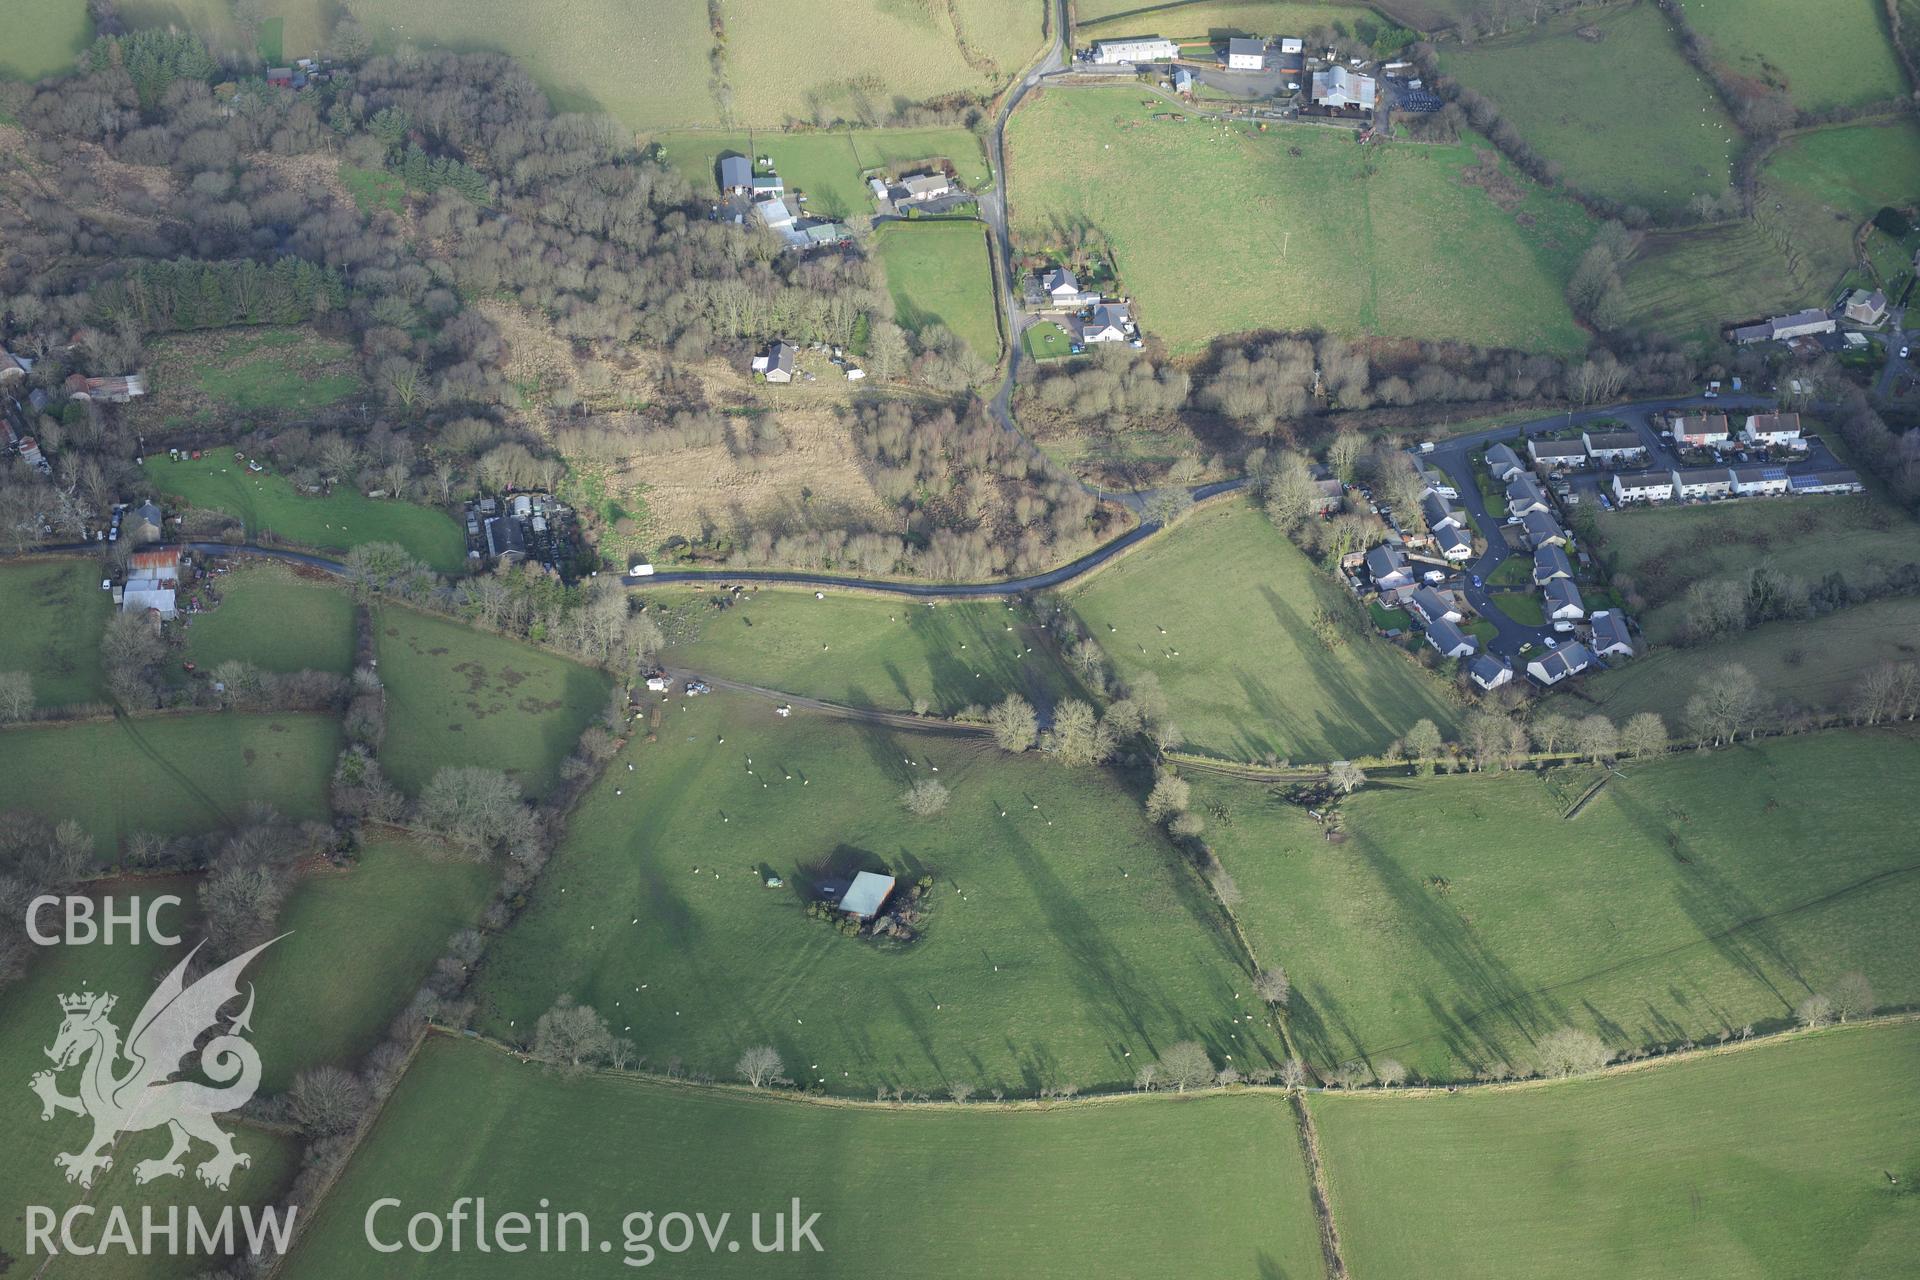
(276, 619)
(45, 38)
(30, 1018)
(1217, 20)
(1221, 612)
(1783, 1159)
(1561, 90)
(55, 614)
(1429, 241)
(268, 505)
(827, 167)
(170, 775)
(865, 651)
(1063, 943)
(1844, 58)
(1462, 918)
(204, 380)
(457, 696)
(939, 274)
(1072, 1190)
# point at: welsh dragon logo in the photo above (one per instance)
(127, 1089)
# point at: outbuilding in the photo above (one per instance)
(866, 895)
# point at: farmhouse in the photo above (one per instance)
(1838, 480)
(776, 363)
(1757, 481)
(1550, 563)
(1489, 672)
(1563, 602)
(1246, 55)
(736, 176)
(1450, 640)
(1109, 322)
(1702, 482)
(141, 525)
(1431, 606)
(1454, 543)
(866, 895)
(1642, 486)
(1557, 455)
(1143, 49)
(1543, 529)
(1862, 307)
(1339, 87)
(1800, 324)
(1057, 289)
(918, 187)
(1773, 429)
(1504, 463)
(1701, 431)
(1609, 448)
(1552, 667)
(1610, 637)
(1438, 515)
(1387, 566)
(1524, 496)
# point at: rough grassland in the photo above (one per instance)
(42, 38)
(202, 380)
(1463, 917)
(275, 620)
(826, 167)
(171, 775)
(1815, 663)
(54, 613)
(1214, 19)
(457, 696)
(1065, 942)
(359, 944)
(1842, 57)
(1564, 95)
(29, 1021)
(863, 651)
(1221, 611)
(1082, 1190)
(1409, 249)
(266, 503)
(939, 273)
(1666, 551)
(1770, 1161)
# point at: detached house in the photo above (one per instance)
(1702, 482)
(776, 362)
(1246, 55)
(1758, 482)
(1438, 515)
(1550, 563)
(1610, 637)
(1489, 672)
(1454, 543)
(1504, 463)
(1524, 495)
(1387, 566)
(1431, 606)
(1110, 322)
(1558, 664)
(1781, 429)
(1557, 455)
(1861, 307)
(1701, 430)
(1563, 603)
(1642, 486)
(1450, 640)
(1609, 448)
(1543, 529)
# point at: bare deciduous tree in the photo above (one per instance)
(1644, 735)
(1077, 736)
(1423, 740)
(1272, 985)
(1015, 726)
(16, 696)
(1570, 1051)
(572, 1036)
(1170, 796)
(1815, 1011)
(1391, 1072)
(1852, 996)
(1185, 1065)
(925, 797)
(1293, 1073)
(1346, 775)
(326, 1100)
(759, 1065)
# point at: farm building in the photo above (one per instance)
(1758, 481)
(1862, 307)
(1454, 543)
(1524, 496)
(1387, 566)
(1339, 87)
(1552, 667)
(866, 895)
(1291, 44)
(1701, 430)
(1450, 640)
(1838, 480)
(1504, 463)
(1610, 447)
(1145, 49)
(1642, 486)
(736, 176)
(152, 579)
(1110, 322)
(1557, 455)
(1489, 672)
(1610, 638)
(1563, 602)
(1246, 55)
(776, 362)
(774, 214)
(112, 390)
(1542, 529)
(1550, 563)
(141, 524)
(507, 538)
(1773, 429)
(1702, 482)
(1182, 80)
(1800, 324)
(768, 184)
(1431, 606)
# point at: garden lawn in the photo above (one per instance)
(457, 696)
(1411, 249)
(267, 504)
(1463, 917)
(170, 775)
(1074, 1190)
(275, 619)
(1064, 943)
(1046, 340)
(1523, 607)
(55, 614)
(939, 274)
(30, 1018)
(1563, 93)
(1771, 41)
(359, 943)
(865, 651)
(1774, 1160)
(1220, 610)
(827, 167)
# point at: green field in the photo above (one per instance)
(827, 167)
(1064, 943)
(1777, 1160)
(1771, 41)
(1045, 340)
(275, 620)
(1410, 249)
(1462, 917)
(457, 696)
(1221, 610)
(864, 651)
(1071, 1191)
(1216, 19)
(939, 273)
(267, 504)
(262, 374)
(30, 1018)
(44, 39)
(1563, 93)
(359, 944)
(55, 614)
(171, 775)
(1666, 551)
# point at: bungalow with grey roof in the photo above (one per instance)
(1488, 671)
(776, 362)
(1387, 566)
(1555, 665)
(1610, 638)
(1557, 455)
(1550, 562)
(1610, 447)
(1563, 601)
(1454, 543)
(1438, 515)
(1450, 640)
(1504, 463)
(1525, 495)
(1542, 529)
(1110, 322)
(1431, 606)
(1642, 486)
